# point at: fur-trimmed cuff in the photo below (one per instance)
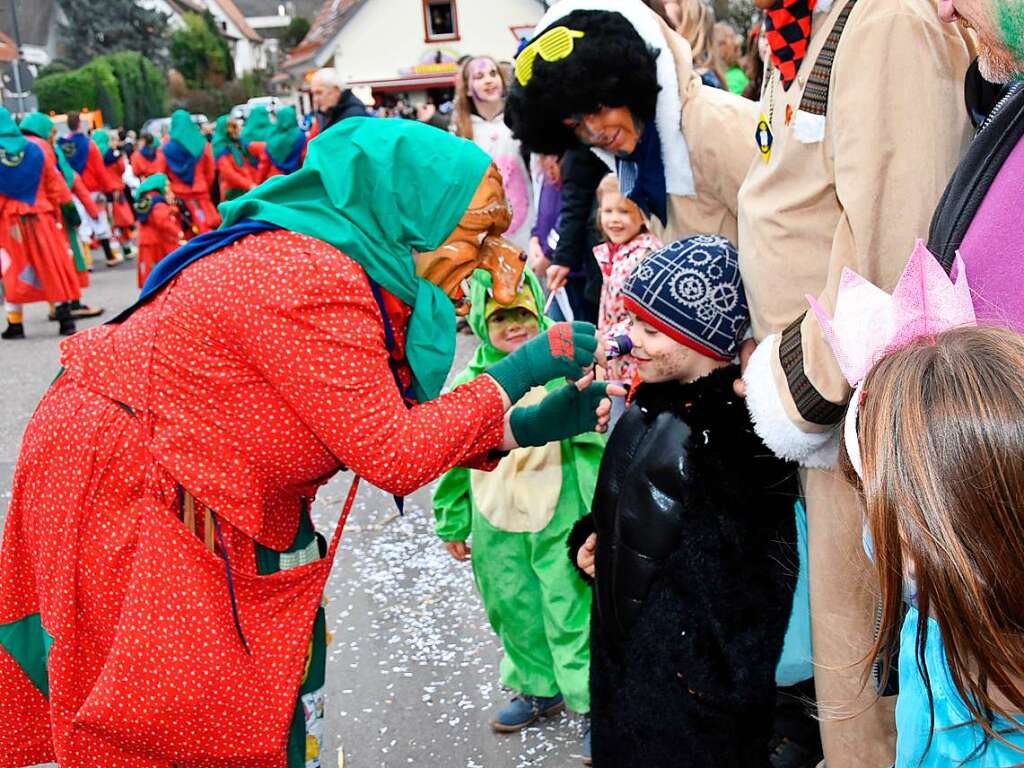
(772, 423)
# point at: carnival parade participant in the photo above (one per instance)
(934, 438)
(159, 225)
(285, 148)
(144, 158)
(233, 159)
(478, 115)
(187, 160)
(691, 545)
(40, 130)
(120, 208)
(613, 76)
(519, 515)
(184, 442)
(257, 129)
(85, 159)
(34, 255)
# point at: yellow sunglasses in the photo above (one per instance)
(554, 45)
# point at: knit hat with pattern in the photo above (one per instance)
(691, 291)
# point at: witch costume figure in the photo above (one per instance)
(160, 574)
(187, 160)
(285, 148)
(35, 259)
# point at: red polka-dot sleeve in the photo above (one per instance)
(319, 340)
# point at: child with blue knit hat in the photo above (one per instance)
(691, 542)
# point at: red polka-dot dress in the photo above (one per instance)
(258, 373)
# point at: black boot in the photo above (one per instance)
(13, 331)
(112, 259)
(67, 322)
(80, 310)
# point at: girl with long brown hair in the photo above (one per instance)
(941, 434)
(697, 25)
(479, 115)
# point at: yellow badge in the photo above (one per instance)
(763, 137)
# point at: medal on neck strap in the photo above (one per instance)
(763, 137)
(763, 133)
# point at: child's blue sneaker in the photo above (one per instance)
(525, 710)
(587, 759)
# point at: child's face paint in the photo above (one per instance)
(485, 81)
(659, 357)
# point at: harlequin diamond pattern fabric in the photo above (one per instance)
(788, 29)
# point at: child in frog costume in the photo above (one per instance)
(520, 515)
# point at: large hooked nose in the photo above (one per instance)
(506, 262)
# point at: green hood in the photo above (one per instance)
(222, 143)
(286, 134)
(11, 140)
(37, 124)
(487, 354)
(578, 449)
(377, 190)
(102, 140)
(158, 182)
(257, 126)
(40, 125)
(184, 131)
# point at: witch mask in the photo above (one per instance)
(477, 243)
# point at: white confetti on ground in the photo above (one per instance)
(412, 672)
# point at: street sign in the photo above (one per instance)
(9, 90)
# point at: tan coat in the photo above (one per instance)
(895, 127)
(714, 123)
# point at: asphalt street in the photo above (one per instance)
(412, 674)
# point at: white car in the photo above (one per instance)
(241, 111)
(157, 126)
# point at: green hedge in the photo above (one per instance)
(66, 92)
(108, 92)
(125, 86)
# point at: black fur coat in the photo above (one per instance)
(695, 572)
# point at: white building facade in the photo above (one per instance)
(410, 46)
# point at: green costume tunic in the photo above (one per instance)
(519, 519)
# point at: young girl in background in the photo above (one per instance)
(941, 431)
(627, 243)
(934, 439)
(478, 115)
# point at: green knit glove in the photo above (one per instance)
(70, 214)
(564, 413)
(564, 351)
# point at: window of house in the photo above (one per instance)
(440, 20)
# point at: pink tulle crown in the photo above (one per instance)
(869, 323)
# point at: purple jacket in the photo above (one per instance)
(980, 215)
(548, 213)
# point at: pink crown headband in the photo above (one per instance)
(869, 323)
